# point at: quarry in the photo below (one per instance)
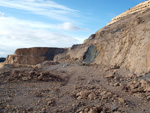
(108, 73)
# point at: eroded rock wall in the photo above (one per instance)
(75, 53)
(138, 8)
(34, 56)
(125, 44)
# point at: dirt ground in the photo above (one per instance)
(72, 88)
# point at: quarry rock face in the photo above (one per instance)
(140, 7)
(33, 56)
(125, 43)
(76, 52)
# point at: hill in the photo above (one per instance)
(124, 43)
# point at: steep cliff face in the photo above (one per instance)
(33, 56)
(125, 43)
(138, 8)
(49, 53)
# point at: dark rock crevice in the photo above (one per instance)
(90, 54)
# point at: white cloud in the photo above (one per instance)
(1, 14)
(41, 7)
(15, 33)
(71, 27)
(36, 24)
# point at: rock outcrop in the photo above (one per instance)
(33, 56)
(125, 43)
(138, 8)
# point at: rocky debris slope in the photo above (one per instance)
(124, 44)
(33, 56)
(72, 88)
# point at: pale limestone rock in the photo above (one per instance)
(92, 111)
(121, 100)
(138, 8)
(143, 83)
(25, 78)
(92, 96)
(147, 89)
(82, 94)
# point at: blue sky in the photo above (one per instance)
(54, 23)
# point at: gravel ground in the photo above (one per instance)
(72, 88)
